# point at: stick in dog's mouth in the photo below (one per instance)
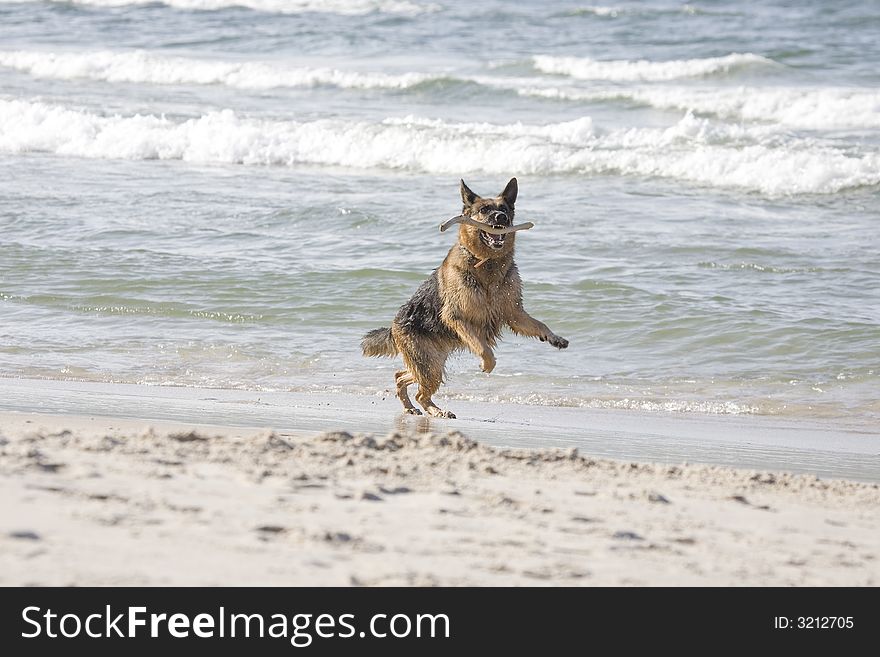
(492, 236)
(486, 228)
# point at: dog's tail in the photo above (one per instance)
(379, 342)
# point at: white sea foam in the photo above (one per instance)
(806, 107)
(146, 68)
(653, 405)
(719, 155)
(342, 7)
(599, 10)
(606, 11)
(795, 107)
(583, 68)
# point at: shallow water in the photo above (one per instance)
(228, 194)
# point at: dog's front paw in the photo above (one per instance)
(556, 341)
(488, 363)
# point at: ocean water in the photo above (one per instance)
(229, 193)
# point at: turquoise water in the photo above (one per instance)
(229, 194)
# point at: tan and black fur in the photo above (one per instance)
(464, 304)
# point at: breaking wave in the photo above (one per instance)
(583, 68)
(145, 68)
(795, 107)
(755, 158)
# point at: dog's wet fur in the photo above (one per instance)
(464, 304)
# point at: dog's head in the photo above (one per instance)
(497, 212)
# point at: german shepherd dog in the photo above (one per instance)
(464, 304)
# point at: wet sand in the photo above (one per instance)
(827, 449)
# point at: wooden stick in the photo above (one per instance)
(487, 228)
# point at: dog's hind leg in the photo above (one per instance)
(423, 396)
(403, 380)
(424, 361)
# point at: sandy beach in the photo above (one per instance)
(210, 204)
(109, 501)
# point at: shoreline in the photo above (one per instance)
(105, 501)
(740, 441)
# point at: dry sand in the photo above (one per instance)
(100, 501)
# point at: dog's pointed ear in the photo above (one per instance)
(509, 193)
(467, 195)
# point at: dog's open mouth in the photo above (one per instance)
(494, 242)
